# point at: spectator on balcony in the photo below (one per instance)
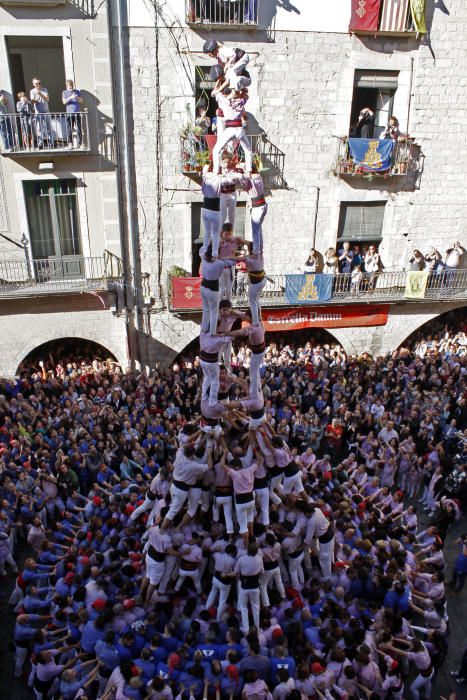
(71, 98)
(345, 256)
(25, 110)
(357, 257)
(331, 263)
(356, 279)
(416, 261)
(312, 262)
(434, 260)
(392, 130)
(372, 264)
(40, 99)
(366, 124)
(202, 120)
(5, 124)
(454, 256)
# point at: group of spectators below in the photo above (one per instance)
(33, 128)
(337, 589)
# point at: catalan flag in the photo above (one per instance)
(394, 15)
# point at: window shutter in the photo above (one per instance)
(361, 221)
(376, 79)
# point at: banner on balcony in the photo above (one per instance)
(371, 155)
(325, 317)
(394, 15)
(308, 289)
(186, 292)
(416, 284)
(417, 8)
(364, 15)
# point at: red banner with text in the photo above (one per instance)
(365, 14)
(186, 292)
(325, 317)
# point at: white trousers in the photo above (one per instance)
(274, 484)
(228, 205)
(273, 575)
(170, 564)
(257, 218)
(229, 134)
(225, 355)
(221, 589)
(154, 570)
(251, 596)
(245, 514)
(210, 302)
(226, 283)
(212, 227)
(256, 360)
(326, 557)
(296, 571)
(292, 484)
(195, 577)
(194, 499)
(210, 382)
(262, 498)
(226, 503)
(421, 682)
(254, 292)
(178, 500)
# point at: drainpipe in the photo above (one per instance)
(410, 92)
(315, 222)
(124, 154)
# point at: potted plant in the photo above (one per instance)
(202, 158)
(176, 271)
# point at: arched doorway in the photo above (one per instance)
(451, 321)
(65, 351)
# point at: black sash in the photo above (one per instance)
(154, 554)
(250, 582)
(213, 285)
(243, 497)
(212, 203)
(328, 535)
(181, 485)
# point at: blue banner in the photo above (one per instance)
(372, 155)
(308, 289)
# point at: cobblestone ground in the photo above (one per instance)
(14, 689)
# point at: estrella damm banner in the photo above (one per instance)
(416, 284)
(308, 289)
(372, 155)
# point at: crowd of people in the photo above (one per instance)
(33, 128)
(334, 590)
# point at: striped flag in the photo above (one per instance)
(394, 15)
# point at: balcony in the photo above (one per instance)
(195, 152)
(383, 287)
(406, 160)
(394, 19)
(56, 133)
(67, 275)
(33, 3)
(222, 14)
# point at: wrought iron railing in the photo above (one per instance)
(57, 132)
(406, 160)
(195, 152)
(66, 274)
(387, 286)
(225, 13)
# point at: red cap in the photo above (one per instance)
(297, 604)
(277, 632)
(69, 578)
(232, 672)
(212, 612)
(316, 667)
(128, 603)
(394, 665)
(85, 561)
(98, 604)
(340, 564)
(97, 500)
(129, 509)
(173, 660)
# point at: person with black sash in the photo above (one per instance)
(249, 567)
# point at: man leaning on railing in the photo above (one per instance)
(71, 98)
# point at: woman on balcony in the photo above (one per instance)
(392, 130)
(416, 261)
(331, 262)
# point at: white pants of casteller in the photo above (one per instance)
(262, 498)
(194, 499)
(245, 514)
(225, 284)
(146, 505)
(178, 501)
(210, 386)
(195, 577)
(225, 355)
(21, 655)
(274, 484)
(292, 484)
(254, 292)
(326, 557)
(212, 227)
(256, 360)
(228, 204)
(210, 302)
(251, 596)
(295, 571)
(257, 218)
(226, 503)
(421, 682)
(229, 134)
(273, 575)
(170, 564)
(223, 589)
(154, 570)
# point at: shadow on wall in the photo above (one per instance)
(73, 9)
(101, 127)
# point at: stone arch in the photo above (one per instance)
(33, 343)
(426, 324)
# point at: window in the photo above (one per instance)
(229, 13)
(53, 223)
(37, 56)
(374, 90)
(197, 233)
(203, 98)
(360, 222)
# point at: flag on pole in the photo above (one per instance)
(394, 15)
(416, 284)
(364, 15)
(417, 7)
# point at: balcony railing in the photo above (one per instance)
(195, 152)
(59, 275)
(223, 13)
(55, 132)
(406, 160)
(387, 286)
(34, 3)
